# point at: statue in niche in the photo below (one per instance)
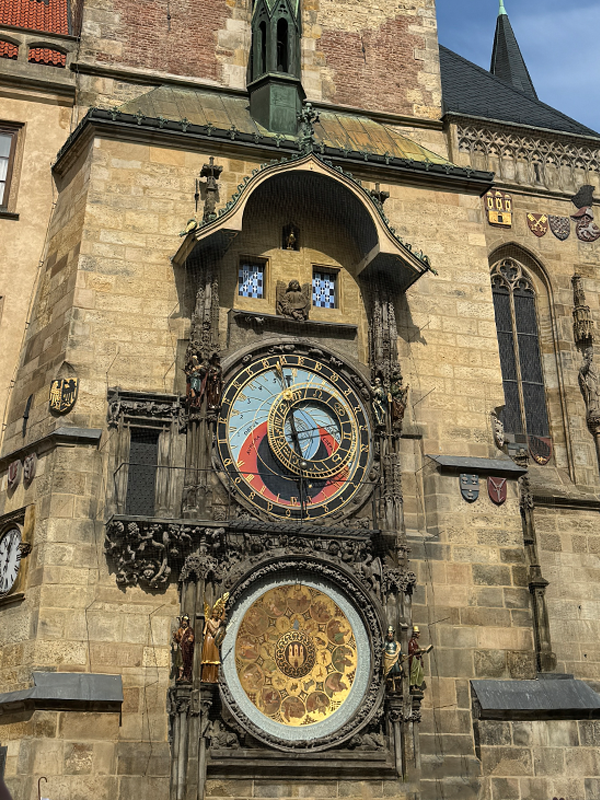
(392, 659)
(589, 382)
(415, 660)
(379, 403)
(182, 649)
(214, 633)
(289, 239)
(196, 373)
(293, 301)
(214, 383)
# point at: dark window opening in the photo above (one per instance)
(262, 48)
(141, 478)
(520, 356)
(7, 155)
(282, 46)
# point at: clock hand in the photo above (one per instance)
(294, 430)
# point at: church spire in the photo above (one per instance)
(507, 62)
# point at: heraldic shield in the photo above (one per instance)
(540, 448)
(538, 224)
(497, 490)
(469, 487)
(560, 227)
(63, 395)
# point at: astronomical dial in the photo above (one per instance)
(10, 559)
(294, 437)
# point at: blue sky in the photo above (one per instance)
(558, 39)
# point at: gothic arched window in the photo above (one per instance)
(282, 46)
(520, 358)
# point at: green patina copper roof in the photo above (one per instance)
(343, 131)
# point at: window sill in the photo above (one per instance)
(9, 599)
(8, 214)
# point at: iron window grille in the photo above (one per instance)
(525, 410)
(141, 476)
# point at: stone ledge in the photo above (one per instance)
(255, 319)
(63, 435)
(491, 466)
(548, 697)
(69, 691)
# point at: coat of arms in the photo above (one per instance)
(560, 226)
(538, 224)
(586, 228)
(469, 487)
(14, 475)
(498, 206)
(497, 490)
(540, 448)
(29, 468)
(63, 394)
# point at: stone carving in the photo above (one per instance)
(214, 383)
(182, 650)
(211, 172)
(398, 580)
(13, 476)
(589, 383)
(583, 324)
(294, 300)
(29, 468)
(392, 661)
(137, 405)
(214, 633)
(146, 553)
(498, 430)
(379, 403)
(307, 118)
(398, 396)
(221, 737)
(378, 195)
(537, 153)
(195, 372)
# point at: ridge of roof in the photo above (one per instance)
(471, 90)
(507, 62)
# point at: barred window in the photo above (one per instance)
(143, 465)
(520, 358)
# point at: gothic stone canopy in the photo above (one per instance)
(341, 198)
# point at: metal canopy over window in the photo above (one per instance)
(520, 358)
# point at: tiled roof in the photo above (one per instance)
(344, 131)
(46, 55)
(508, 63)
(37, 15)
(8, 50)
(472, 91)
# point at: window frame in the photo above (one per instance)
(257, 261)
(336, 272)
(524, 282)
(13, 130)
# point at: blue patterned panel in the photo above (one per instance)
(324, 289)
(251, 280)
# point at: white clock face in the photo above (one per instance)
(10, 559)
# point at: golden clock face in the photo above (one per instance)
(296, 655)
(294, 437)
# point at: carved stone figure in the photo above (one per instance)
(293, 301)
(415, 660)
(589, 382)
(214, 633)
(392, 659)
(379, 403)
(583, 324)
(182, 648)
(498, 430)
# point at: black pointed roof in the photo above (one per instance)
(470, 91)
(508, 63)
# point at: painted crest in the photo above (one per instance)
(540, 448)
(14, 475)
(538, 224)
(63, 394)
(586, 228)
(29, 468)
(498, 206)
(497, 490)
(560, 226)
(469, 487)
